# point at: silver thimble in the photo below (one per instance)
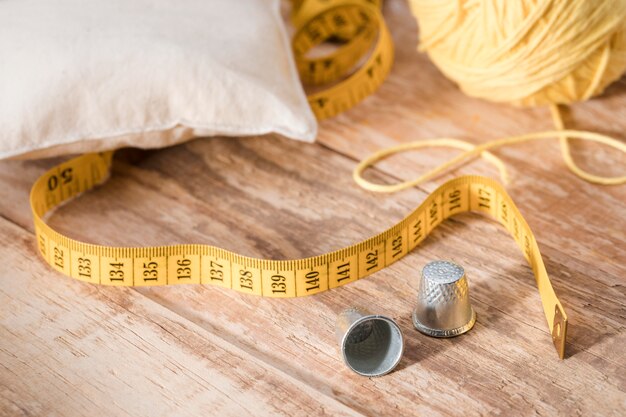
(370, 344)
(443, 306)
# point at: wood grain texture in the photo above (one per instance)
(73, 349)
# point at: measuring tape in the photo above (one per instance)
(204, 264)
(315, 21)
(360, 26)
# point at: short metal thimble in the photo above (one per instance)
(370, 344)
(443, 306)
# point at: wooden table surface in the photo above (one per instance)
(72, 349)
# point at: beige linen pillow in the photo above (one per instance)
(82, 76)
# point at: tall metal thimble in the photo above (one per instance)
(371, 344)
(443, 306)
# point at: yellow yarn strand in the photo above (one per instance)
(473, 151)
(526, 52)
(569, 161)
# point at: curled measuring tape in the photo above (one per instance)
(204, 264)
(359, 28)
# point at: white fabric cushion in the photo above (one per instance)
(82, 76)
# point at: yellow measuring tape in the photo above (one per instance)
(360, 28)
(315, 21)
(204, 264)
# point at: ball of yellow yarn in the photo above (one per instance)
(527, 52)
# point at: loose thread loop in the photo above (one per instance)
(473, 151)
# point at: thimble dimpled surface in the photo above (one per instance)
(443, 308)
(443, 272)
(443, 282)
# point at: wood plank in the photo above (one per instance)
(71, 349)
(193, 193)
(274, 198)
